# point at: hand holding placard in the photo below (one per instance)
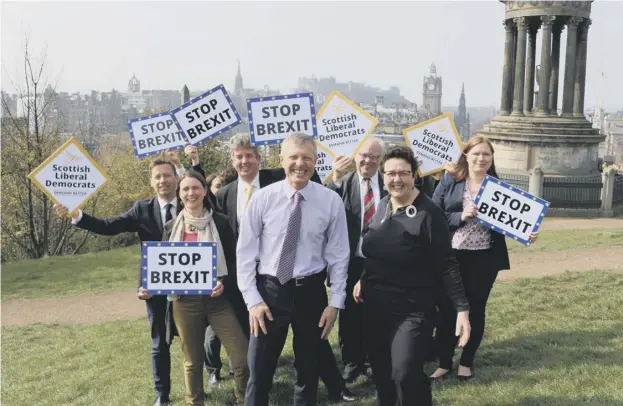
(340, 167)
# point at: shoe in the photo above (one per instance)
(214, 381)
(465, 378)
(345, 396)
(351, 373)
(440, 378)
(162, 401)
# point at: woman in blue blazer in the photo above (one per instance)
(481, 253)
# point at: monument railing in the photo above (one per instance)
(617, 192)
(573, 192)
(519, 181)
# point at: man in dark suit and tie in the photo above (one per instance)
(232, 200)
(146, 218)
(361, 192)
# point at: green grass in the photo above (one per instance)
(117, 269)
(556, 240)
(71, 275)
(550, 341)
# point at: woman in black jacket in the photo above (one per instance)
(481, 253)
(407, 250)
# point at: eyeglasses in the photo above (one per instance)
(371, 157)
(401, 174)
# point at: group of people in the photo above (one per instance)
(402, 259)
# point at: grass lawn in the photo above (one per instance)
(550, 341)
(117, 269)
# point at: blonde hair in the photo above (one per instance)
(459, 169)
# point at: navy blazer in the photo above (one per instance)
(449, 196)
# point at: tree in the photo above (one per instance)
(29, 136)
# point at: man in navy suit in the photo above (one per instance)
(146, 218)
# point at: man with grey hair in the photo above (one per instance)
(361, 192)
(297, 230)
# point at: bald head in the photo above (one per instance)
(369, 156)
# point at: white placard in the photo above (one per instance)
(179, 268)
(435, 142)
(206, 116)
(70, 176)
(343, 126)
(509, 210)
(271, 119)
(324, 163)
(153, 134)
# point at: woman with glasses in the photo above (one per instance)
(407, 252)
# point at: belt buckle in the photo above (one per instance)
(299, 282)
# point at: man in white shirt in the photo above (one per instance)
(297, 229)
(361, 192)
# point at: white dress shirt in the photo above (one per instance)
(363, 189)
(323, 238)
(242, 194)
(163, 209)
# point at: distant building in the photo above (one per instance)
(461, 118)
(356, 91)
(432, 92)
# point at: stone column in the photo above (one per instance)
(607, 191)
(570, 61)
(528, 95)
(507, 76)
(553, 95)
(520, 66)
(535, 183)
(580, 73)
(546, 65)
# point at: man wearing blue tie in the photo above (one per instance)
(296, 228)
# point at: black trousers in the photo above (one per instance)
(478, 278)
(397, 336)
(301, 307)
(351, 321)
(160, 352)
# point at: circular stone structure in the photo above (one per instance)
(529, 132)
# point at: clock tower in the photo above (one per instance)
(431, 93)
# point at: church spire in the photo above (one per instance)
(238, 85)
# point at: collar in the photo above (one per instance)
(242, 185)
(373, 180)
(289, 191)
(162, 203)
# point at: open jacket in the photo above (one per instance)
(449, 197)
(228, 241)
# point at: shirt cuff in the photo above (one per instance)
(77, 220)
(338, 185)
(180, 171)
(254, 298)
(337, 301)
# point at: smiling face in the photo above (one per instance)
(368, 158)
(398, 177)
(479, 158)
(163, 181)
(192, 193)
(298, 161)
(245, 162)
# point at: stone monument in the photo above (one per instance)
(528, 132)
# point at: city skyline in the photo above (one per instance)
(398, 43)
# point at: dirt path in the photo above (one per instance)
(123, 305)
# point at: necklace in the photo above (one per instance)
(192, 229)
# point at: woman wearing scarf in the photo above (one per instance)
(197, 221)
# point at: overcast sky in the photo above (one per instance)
(99, 45)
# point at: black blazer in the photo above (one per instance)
(227, 196)
(228, 242)
(143, 218)
(449, 197)
(350, 192)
